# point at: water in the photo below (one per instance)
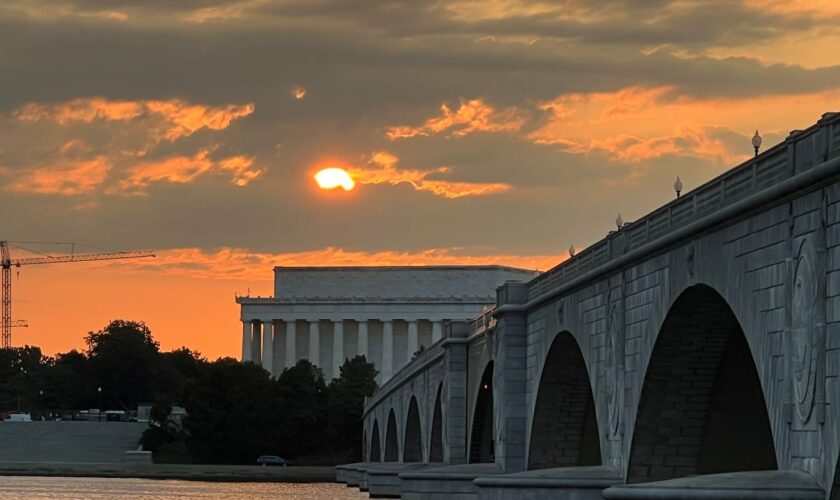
(85, 488)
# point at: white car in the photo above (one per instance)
(19, 417)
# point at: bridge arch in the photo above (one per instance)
(701, 409)
(564, 427)
(392, 447)
(835, 484)
(481, 435)
(375, 455)
(413, 441)
(436, 440)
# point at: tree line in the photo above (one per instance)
(234, 411)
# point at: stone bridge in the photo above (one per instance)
(693, 353)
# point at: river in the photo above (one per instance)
(76, 488)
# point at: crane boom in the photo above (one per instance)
(85, 257)
(6, 262)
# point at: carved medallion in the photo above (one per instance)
(614, 370)
(806, 328)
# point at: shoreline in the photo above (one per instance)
(180, 472)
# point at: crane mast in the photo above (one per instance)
(6, 262)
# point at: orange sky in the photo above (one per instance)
(476, 131)
(185, 296)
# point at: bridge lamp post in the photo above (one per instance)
(619, 222)
(756, 142)
(99, 394)
(678, 186)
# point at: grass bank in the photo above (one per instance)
(219, 473)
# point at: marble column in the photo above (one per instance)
(314, 343)
(363, 339)
(256, 347)
(437, 330)
(387, 350)
(268, 346)
(338, 348)
(291, 347)
(246, 341)
(413, 339)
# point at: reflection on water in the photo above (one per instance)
(65, 488)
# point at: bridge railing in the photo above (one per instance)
(802, 150)
(406, 373)
(484, 321)
(457, 331)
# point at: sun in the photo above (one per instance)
(334, 177)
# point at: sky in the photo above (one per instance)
(476, 131)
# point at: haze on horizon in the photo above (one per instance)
(476, 131)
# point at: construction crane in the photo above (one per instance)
(7, 263)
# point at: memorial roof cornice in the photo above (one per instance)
(489, 299)
(408, 268)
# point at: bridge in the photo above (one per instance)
(693, 353)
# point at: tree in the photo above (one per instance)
(346, 402)
(231, 415)
(68, 383)
(123, 359)
(22, 371)
(178, 370)
(301, 393)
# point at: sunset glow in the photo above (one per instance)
(395, 132)
(334, 177)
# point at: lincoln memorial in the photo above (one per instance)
(328, 314)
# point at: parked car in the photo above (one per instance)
(19, 417)
(266, 460)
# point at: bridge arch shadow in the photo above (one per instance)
(564, 429)
(701, 410)
(412, 442)
(375, 455)
(436, 440)
(392, 447)
(481, 435)
(835, 485)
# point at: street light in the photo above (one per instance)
(619, 221)
(99, 392)
(678, 186)
(756, 142)
(572, 250)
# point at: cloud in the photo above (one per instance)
(472, 116)
(635, 125)
(240, 263)
(185, 169)
(68, 178)
(697, 142)
(382, 169)
(96, 145)
(821, 9)
(171, 119)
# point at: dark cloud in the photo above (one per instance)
(367, 66)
